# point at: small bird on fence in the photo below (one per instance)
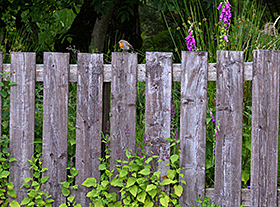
(124, 45)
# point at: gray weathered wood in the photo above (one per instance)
(22, 118)
(123, 105)
(89, 121)
(141, 68)
(55, 122)
(230, 67)
(192, 125)
(158, 106)
(265, 123)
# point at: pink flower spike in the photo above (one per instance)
(226, 38)
(219, 7)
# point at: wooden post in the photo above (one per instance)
(158, 106)
(22, 118)
(55, 123)
(89, 121)
(229, 114)
(193, 125)
(265, 123)
(123, 106)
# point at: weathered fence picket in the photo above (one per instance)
(230, 71)
(123, 106)
(193, 125)
(158, 106)
(265, 124)
(89, 121)
(22, 118)
(55, 122)
(229, 109)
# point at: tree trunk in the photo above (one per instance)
(80, 31)
(99, 32)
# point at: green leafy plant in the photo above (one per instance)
(6, 187)
(137, 183)
(205, 202)
(67, 187)
(36, 197)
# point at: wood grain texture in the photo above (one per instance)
(158, 106)
(141, 68)
(55, 122)
(89, 121)
(265, 123)
(123, 105)
(22, 119)
(230, 67)
(193, 125)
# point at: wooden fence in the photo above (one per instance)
(229, 73)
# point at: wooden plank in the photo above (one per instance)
(158, 106)
(265, 123)
(141, 68)
(55, 122)
(192, 125)
(22, 118)
(89, 121)
(229, 106)
(123, 105)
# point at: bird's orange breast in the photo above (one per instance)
(121, 45)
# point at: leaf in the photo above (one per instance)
(92, 194)
(14, 204)
(3, 94)
(10, 186)
(130, 181)
(4, 174)
(149, 204)
(174, 158)
(141, 196)
(89, 182)
(13, 83)
(12, 159)
(71, 198)
(25, 201)
(151, 187)
(167, 182)
(153, 193)
(171, 174)
(145, 171)
(74, 172)
(133, 190)
(45, 179)
(123, 173)
(102, 167)
(12, 193)
(117, 183)
(164, 201)
(148, 160)
(63, 205)
(65, 191)
(178, 190)
(65, 184)
(105, 183)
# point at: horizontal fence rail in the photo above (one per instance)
(141, 70)
(90, 73)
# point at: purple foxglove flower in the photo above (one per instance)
(226, 38)
(219, 7)
(249, 187)
(216, 132)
